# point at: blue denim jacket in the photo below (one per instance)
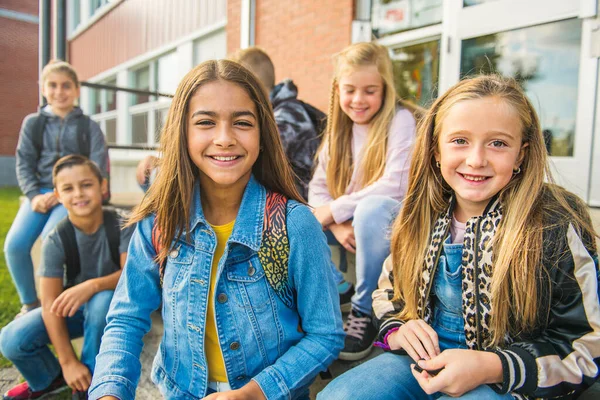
(259, 335)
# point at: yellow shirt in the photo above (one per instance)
(214, 356)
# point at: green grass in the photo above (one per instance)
(9, 300)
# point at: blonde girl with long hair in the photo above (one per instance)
(361, 176)
(45, 137)
(491, 290)
(231, 321)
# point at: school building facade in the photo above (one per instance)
(551, 45)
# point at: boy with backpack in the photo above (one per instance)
(59, 129)
(81, 265)
(300, 124)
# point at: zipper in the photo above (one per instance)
(433, 272)
(476, 272)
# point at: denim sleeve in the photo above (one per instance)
(98, 150)
(27, 158)
(138, 293)
(318, 307)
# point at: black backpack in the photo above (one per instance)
(66, 231)
(317, 117)
(83, 141)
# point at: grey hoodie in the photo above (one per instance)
(60, 139)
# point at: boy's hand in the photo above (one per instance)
(38, 204)
(344, 233)
(250, 391)
(463, 371)
(417, 338)
(324, 215)
(144, 169)
(69, 301)
(77, 375)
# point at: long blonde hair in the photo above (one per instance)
(527, 203)
(170, 196)
(338, 135)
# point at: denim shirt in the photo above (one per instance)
(259, 336)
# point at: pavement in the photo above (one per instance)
(146, 389)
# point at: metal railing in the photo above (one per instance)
(99, 86)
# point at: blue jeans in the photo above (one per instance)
(23, 233)
(372, 222)
(25, 340)
(388, 377)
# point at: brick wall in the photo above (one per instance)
(18, 74)
(300, 36)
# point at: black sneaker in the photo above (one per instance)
(79, 395)
(360, 335)
(346, 297)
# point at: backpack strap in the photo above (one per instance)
(83, 135)
(274, 251)
(112, 228)
(37, 134)
(66, 231)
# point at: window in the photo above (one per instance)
(103, 108)
(416, 72)
(545, 59)
(210, 47)
(468, 3)
(148, 112)
(96, 4)
(391, 16)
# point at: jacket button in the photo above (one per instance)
(174, 253)
(222, 298)
(234, 346)
(240, 378)
(251, 271)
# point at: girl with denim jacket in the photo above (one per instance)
(491, 289)
(227, 327)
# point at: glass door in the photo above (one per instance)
(545, 45)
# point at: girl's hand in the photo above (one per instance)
(463, 371)
(51, 200)
(344, 233)
(38, 204)
(249, 391)
(417, 338)
(324, 215)
(69, 301)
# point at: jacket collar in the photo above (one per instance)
(248, 226)
(493, 207)
(47, 111)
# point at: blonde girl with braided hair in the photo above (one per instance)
(361, 176)
(491, 289)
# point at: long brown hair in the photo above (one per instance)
(170, 196)
(527, 202)
(338, 134)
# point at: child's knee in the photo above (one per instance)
(9, 341)
(97, 308)
(374, 210)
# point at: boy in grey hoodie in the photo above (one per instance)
(41, 211)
